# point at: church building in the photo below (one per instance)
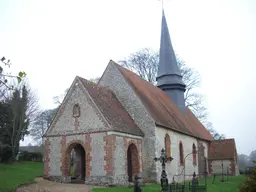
(116, 128)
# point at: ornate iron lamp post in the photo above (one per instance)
(163, 159)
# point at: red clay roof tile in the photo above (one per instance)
(222, 149)
(162, 109)
(111, 108)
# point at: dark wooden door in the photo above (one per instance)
(83, 174)
(129, 164)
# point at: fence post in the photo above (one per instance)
(136, 184)
(164, 181)
(227, 173)
(194, 183)
(173, 180)
(214, 175)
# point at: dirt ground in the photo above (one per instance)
(43, 185)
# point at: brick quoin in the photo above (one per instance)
(88, 149)
(64, 165)
(135, 157)
(210, 166)
(109, 148)
(140, 153)
(76, 123)
(233, 168)
(47, 151)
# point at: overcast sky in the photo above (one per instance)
(53, 41)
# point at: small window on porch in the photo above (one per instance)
(76, 110)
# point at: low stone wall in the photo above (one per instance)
(58, 179)
(99, 180)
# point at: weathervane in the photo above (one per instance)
(162, 3)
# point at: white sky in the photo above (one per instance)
(53, 41)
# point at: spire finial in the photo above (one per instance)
(162, 4)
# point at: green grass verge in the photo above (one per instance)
(232, 185)
(12, 175)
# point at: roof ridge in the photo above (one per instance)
(94, 84)
(97, 107)
(223, 140)
(100, 95)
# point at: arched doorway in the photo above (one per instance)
(132, 161)
(76, 162)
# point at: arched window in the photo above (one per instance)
(76, 110)
(181, 153)
(194, 153)
(167, 143)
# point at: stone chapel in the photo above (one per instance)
(116, 128)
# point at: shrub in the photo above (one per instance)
(5, 153)
(30, 156)
(249, 184)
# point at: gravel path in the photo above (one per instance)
(43, 185)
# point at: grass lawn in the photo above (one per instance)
(12, 175)
(228, 186)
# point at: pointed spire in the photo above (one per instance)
(167, 60)
(169, 77)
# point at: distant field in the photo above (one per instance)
(11, 175)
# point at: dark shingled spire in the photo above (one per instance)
(169, 77)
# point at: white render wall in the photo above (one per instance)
(174, 167)
(217, 166)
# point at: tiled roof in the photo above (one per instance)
(222, 149)
(113, 111)
(162, 109)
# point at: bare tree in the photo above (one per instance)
(4, 77)
(214, 133)
(144, 63)
(32, 109)
(41, 124)
(58, 99)
(95, 80)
